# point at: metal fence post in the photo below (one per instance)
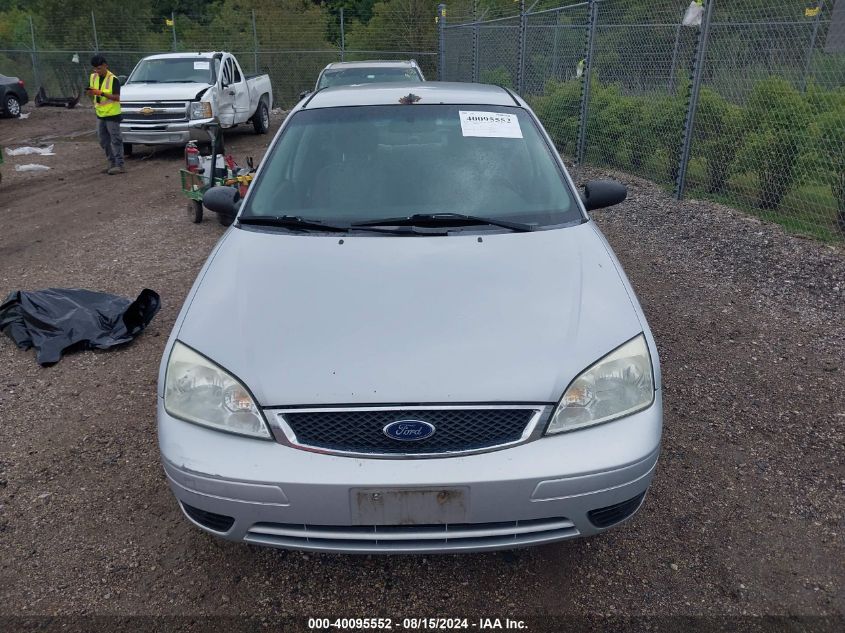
(520, 67)
(173, 27)
(94, 29)
(35, 73)
(689, 122)
(342, 37)
(585, 91)
(812, 46)
(441, 51)
(475, 41)
(254, 43)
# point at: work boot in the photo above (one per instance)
(106, 170)
(116, 170)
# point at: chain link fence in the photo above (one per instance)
(739, 101)
(291, 47)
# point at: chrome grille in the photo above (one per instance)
(412, 538)
(361, 431)
(165, 111)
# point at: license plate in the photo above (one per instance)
(409, 506)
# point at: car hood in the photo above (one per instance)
(313, 319)
(161, 92)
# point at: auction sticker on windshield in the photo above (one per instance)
(202, 65)
(490, 124)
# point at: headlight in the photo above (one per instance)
(197, 390)
(619, 384)
(201, 110)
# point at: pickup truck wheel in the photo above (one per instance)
(12, 106)
(261, 118)
(127, 149)
(195, 211)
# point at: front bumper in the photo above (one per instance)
(534, 493)
(164, 133)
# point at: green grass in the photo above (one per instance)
(809, 210)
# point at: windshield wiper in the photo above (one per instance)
(445, 219)
(290, 222)
(143, 81)
(295, 222)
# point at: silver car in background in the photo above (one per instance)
(366, 72)
(412, 339)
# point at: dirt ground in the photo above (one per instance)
(744, 516)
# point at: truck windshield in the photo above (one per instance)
(353, 164)
(173, 70)
(349, 76)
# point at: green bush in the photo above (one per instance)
(559, 109)
(662, 128)
(781, 152)
(608, 122)
(717, 135)
(776, 119)
(499, 76)
(824, 160)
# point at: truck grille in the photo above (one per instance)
(157, 111)
(457, 430)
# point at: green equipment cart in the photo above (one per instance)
(194, 186)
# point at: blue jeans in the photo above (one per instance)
(108, 131)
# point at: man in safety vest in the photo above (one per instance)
(104, 89)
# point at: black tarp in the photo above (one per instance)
(56, 320)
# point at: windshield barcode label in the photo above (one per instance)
(490, 124)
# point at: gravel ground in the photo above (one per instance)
(744, 516)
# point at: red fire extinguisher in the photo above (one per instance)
(192, 157)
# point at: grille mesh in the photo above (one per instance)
(362, 431)
(137, 117)
(466, 537)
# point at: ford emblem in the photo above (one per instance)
(409, 430)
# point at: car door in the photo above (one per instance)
(243, 104)
(226, 91)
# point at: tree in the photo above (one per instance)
(401, 25)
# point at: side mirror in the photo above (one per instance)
(223, 200)
(599, 194)
(122, 79)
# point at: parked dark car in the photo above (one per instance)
(12, 96)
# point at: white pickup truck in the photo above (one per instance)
(167, 98)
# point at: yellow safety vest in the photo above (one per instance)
(104, 107)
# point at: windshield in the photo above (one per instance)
(173, 70)
(374, 74)
(353, 164)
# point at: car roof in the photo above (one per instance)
(387, 63)
(183, 55)
(428, 92)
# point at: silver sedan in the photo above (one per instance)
(413, 338)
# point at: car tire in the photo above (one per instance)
(225, 220)
(12, 106)
(261, 118)
(195, 211)
(127, 149)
